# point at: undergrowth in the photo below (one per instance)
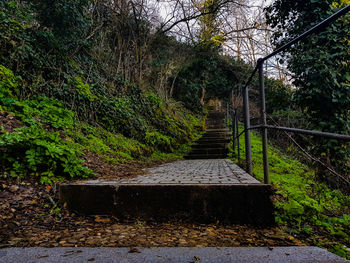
(51, 139)
(305, 207)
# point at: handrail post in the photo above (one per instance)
(227, 112)
(237, 135)
(248, 147)
(263, 121)
(233, 125)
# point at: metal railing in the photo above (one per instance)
(232, 115)
(264, 127)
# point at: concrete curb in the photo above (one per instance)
(170, 255)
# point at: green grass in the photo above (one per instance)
(305, 207)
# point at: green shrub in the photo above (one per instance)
(159, 141)
(153, 100)
(82, 88)
(8, 83)
(35, 151)
(44, 110)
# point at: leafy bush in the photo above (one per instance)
(8, 83)
(44, 110)
(278, 95)
(82, 88)
(35, 151)
(159, 141)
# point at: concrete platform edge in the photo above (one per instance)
(170, 255)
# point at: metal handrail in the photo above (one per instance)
(309, 32)
(301, 131)
(307, 132)
(259, 67)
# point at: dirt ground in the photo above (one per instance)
(30, 216)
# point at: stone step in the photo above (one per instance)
(213, 140)
(216, 113)
(205, 191)
(216, 116)
(214, 143)
(225, 129)
(217, 133)
(210, 145)
(215, 122)
(215, 126)
(217, 129)
(231, 204)
(216, 136)
(205, 156)
(209, 151)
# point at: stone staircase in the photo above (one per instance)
(203, 191)
(207, 189)
(214, 143)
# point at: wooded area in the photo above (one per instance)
(93, 87)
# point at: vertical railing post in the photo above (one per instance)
(263, 121)
(227, 112)
(233, 119)
(237, 135)
(248, 147)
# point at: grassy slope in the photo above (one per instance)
(306, 208)
(48, 141)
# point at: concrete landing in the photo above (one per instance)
(214, 171)
(204, 191)
(169, 255)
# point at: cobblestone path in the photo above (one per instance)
(210, 171)
(199, 190)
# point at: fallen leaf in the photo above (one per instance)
(13, 188)
(134, 250)
(102, 220)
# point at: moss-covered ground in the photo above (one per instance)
(305, 207)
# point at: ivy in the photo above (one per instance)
(9, 83)
(320, 65)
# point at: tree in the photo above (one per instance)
(320, 65)
(211, 72)
(210, 36)
(68, 20)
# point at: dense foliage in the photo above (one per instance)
(320, 66)
(63, 78)
(83, 80)
(49, 140)
(210, 75)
